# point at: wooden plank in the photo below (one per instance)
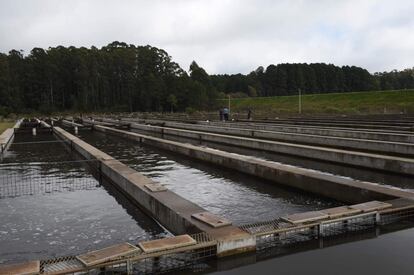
(211, 219)
(155, 187)
(108, 253)
(371, 206)
(28, 268)
(340, 211)
(305, 217)
(167, 243)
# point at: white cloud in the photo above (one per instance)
(224, 36)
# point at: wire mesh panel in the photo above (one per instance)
(348, 224)
(42, 148)
(139, 262)
(395, 216)
(42, 178)
(266, 227)
(167, 261)
(289, 237)
(60, 265)
(280, 233)
(175, 261)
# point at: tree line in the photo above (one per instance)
(125, 77)
(287, 79)
(117, 77)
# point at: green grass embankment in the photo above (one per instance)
(375, 102)
(5, 125)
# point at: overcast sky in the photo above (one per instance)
(223, 36)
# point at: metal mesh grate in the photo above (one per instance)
(173, 261)
(139, 263)
(395, 216)
(349, 224)
(266, 227)
(60, 265)
(280, 233)
(43, 178)
(295, 235)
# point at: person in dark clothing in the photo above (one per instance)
(249, 114)
(226, 114)
(221, 114)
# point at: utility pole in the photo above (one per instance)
(229, 104)
(300, 101)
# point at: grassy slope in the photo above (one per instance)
(5, 125)
(344, 103)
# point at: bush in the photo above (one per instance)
(190, 110)
(4, 111)
(12, 116)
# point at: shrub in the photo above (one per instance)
(190, 110)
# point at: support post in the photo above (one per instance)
(377, 218)
(229, 104)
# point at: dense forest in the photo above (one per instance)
(287, 79)
(123, 77)
(117, 77)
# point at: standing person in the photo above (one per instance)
(249, 114)
(221, 114)
(226, 113)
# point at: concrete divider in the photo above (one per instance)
(105, 122)
(401, 165)
(333, 123)
(6, 138)
(379, 134)
(168, 208)
(44, 124)
(95, 122)
(70, 123)
(341, 120)
(366, 134)
(323, 184)
(325, 127)
(361, 133)
(337, 142)
(18, 123)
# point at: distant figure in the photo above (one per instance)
(249, 114)
(221, 114)
(226, 114)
